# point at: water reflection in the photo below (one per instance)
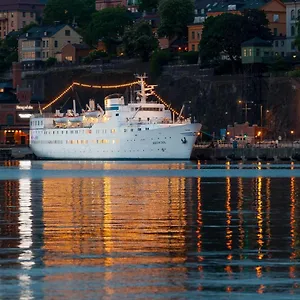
(106, 237)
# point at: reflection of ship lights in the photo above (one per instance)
(25, 165)
(25, 229)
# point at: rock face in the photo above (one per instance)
(211, 100)
(274, 101)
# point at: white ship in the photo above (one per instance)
(138, 130)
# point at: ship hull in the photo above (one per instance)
(167, 142)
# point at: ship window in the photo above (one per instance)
(113, 131)
(131, 129)
(147, 128)
(139, 129)
(125, 130)
(117, 115)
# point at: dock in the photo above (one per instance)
(16, 152)
(283, 152)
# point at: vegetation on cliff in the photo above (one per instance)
(223, 35)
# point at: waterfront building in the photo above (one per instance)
(16, 106)
(16, 14)
(43, 42)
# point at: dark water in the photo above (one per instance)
(150, 230)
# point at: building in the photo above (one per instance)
(275, 11)
(194, 34)
(256, 51)
(101, 4)
(43, 42)
(16, 107)
(292, 17)
(74, 53)
(16, 14)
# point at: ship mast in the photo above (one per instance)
(146, 90)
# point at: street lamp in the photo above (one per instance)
(245, 108)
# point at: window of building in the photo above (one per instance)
(293, 14)
(10, 119)
(276, 43)
(193, 47)
(282, 43)
(292, 30)
(266, 53)
(12, 14)
(24, 14)
(44, 44)
(282, 54)
(245, 52)
(250, 52)
(193, 35)
(55, 44)
(275, 18)
(198, 35)
(67, 32)
(47, 43)
(24, 23)
(12, 24)
(275, 31)
(293, 46)
(257, 52)
(47, 54)
(31, 15)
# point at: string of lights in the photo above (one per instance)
(107, 87)
(58, 97)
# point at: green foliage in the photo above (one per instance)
(175, 15)
(93, 55)
(224, 34)
(256, 25)
(51, 61)
(295, 73)
(69, 11)
(109, 25)
(139, 40)
(148, 5)
(279, 64)
(159, 59)
(190, 57)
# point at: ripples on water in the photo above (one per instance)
(92, 230)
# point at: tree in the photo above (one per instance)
(256, 25)
(175, 15)
(69, 11)
(224, 34)
(139, 40)
(148, 5)
(109, 25)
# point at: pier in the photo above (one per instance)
(16, 152)
(258, 152)
(284, 152)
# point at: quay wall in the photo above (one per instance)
(199, 153)
(244, 154)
